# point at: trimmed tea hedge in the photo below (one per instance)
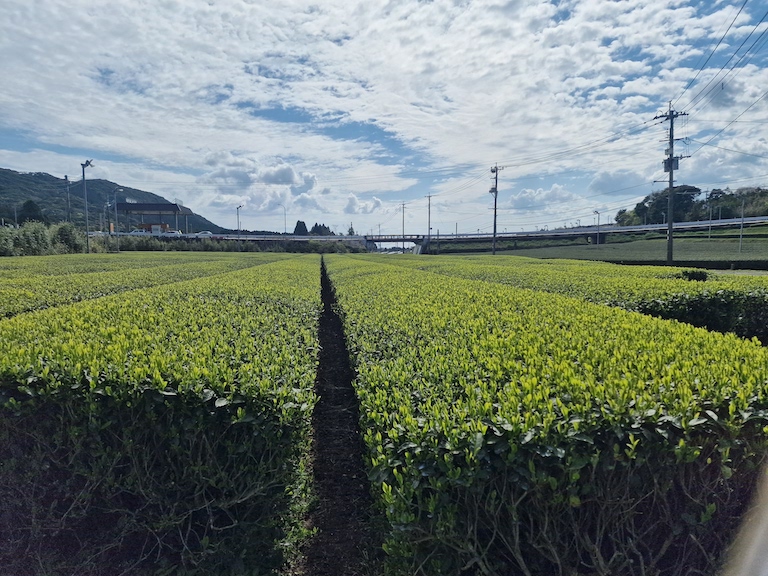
(737, 304)
(36, 282)
(519, 432)
(162, 430)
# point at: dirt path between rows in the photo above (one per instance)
(344, 543)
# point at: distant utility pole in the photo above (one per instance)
(598, 227)
(495, 191)
(429, 219)
(403, 205)
(85, 165)
(670, 165)
(69, 211)
(741, 229)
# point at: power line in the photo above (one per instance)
(731, 122)
(701, 69)
(730, 150)
(716, 79)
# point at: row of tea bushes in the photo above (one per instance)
(719, 302)
(515, 431)
(33, 285)
(162, 430)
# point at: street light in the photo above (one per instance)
(117, 229)
(598, 226)
(85, 165)
(238, 221)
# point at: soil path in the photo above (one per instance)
(343, 545)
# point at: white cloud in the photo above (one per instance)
(354, 206)
(268, 103)
(307, 202)
(617, 182)
(540, 199)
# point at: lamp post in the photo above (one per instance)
(238, 221)
(598, 227)
(85, 165)
(117, 230)
(285, 219)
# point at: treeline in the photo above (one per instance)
(691, 204)
(317, 230)
(38, 239)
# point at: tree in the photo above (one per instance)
(301, 229)
(29, 212)
(351, 231)
(653, 208)
(320, 230)
(626, 218)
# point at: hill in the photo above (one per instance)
(60, 201)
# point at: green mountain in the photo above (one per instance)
(59, 201)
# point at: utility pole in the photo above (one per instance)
(598, 227)
(85, 165)
(403, 205)
(670, 165)
(69, 211)
(495, 191)
(429, 219)
(741, 230)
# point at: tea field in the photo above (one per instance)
(516, 416)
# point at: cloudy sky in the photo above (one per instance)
(341, 111)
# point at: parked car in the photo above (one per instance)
(205, 233)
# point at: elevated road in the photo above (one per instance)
(575, 232)
(420, 239)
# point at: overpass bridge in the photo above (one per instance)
(575, 232)
(422, 240)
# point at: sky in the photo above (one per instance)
(388, 115)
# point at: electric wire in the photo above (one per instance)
(714, 50)
(709, 88)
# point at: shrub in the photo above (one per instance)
(68, 238)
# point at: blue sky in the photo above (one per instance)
(339, 112)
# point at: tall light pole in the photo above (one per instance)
(238, 221)
(598, 227)
(85, 165)
(117, 229)
(285, 219)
